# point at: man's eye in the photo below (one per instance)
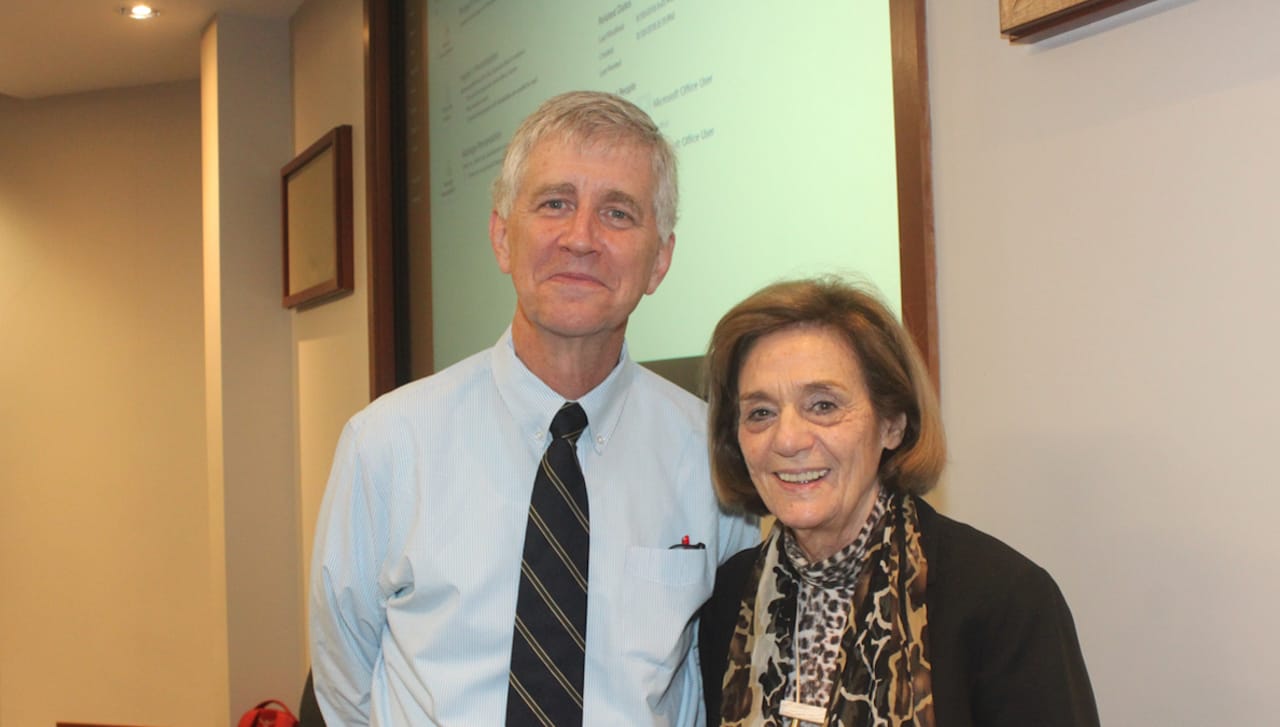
(555, 204)
(618, 216)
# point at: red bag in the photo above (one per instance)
(265, 716)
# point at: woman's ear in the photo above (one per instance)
(892, 430)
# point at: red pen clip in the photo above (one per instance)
(684, 544)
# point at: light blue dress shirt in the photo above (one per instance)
(418, 545)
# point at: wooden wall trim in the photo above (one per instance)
(86, 724)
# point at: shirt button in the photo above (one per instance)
(599, 439)
(539, 435)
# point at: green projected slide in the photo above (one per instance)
(782, 115)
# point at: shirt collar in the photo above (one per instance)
(533, 404)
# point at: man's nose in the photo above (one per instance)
(581, 237)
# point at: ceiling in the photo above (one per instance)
(55, 47)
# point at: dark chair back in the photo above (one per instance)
(308, 709)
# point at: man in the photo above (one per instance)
(422, 572)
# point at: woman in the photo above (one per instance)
(863, 606)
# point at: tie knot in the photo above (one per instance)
(569, 422)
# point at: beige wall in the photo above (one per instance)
(1107, 255)
(105, 607)
(331, 343)
(253, 501)
(149, 471)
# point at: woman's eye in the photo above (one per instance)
(755, 415)
(824, 407)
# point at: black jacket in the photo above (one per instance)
(1002, 642)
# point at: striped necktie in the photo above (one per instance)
(548, 649)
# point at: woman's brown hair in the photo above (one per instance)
(893, 370)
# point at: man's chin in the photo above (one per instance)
(580, 327)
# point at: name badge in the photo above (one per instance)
(803, 712)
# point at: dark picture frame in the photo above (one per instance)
(316, 221)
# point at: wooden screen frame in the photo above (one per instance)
(384, 111)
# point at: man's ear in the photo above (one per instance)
(498, 238)
(661, 264)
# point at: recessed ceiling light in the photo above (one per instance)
(140, 12)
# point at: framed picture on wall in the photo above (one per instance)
(316, 218)
(1029, 20)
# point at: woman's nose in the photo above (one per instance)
(793, 433)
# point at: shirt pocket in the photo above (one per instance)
(674, 567)
(662, 593)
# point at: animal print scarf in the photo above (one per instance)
(883, 660)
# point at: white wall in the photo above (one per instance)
(105, 608)
(1107, 255)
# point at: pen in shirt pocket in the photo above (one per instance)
(684, 544)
